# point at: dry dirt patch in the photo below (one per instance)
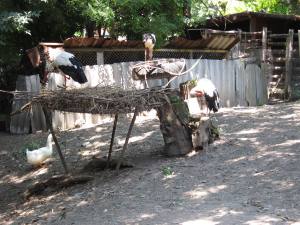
(250, 176)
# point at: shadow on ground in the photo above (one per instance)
(250, 176)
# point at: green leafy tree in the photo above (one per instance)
(13, 23)
(94, 14)
(270, 6)
(133, 18)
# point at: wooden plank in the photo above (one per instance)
(39, 110)
(112, 140)
(126, 140)
(288, 63)
(18, 122)
(34, 121)
(49, 123)
(299, 43)
(264, 43)
(21, 85)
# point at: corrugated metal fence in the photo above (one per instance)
(239, 84)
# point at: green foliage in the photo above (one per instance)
(11, 25)
(270, 6)
(202, 10)
(98, 12)
(235, 6)
(24, 23)
(167, 171)
(16, 21)
(133, 18)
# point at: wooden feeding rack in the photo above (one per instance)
(99, 100)
(158, 69)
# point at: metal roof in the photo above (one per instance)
(214, 42)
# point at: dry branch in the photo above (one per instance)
(55, 183)
(100, 100)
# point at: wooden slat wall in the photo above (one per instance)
(34, 120)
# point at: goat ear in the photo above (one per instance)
(34, 56)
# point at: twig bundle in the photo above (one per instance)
(100, 100)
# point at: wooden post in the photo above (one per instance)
(264, 44)
(298, 43)
(49, 124)
(240, 44)
(288, 63)
(112, 140)
(100, 58)
(126, 140)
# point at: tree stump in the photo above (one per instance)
(181, 132)
(173, 118)
(204, 132)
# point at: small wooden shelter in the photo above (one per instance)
(251, 22)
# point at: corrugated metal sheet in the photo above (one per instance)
(214, 42)
(239, 84)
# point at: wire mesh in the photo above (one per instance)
(86, 57)
(111, 57)
(116, 56)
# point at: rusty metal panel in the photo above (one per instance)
(215, 42)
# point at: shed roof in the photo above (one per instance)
(214, 42)
(217, 41)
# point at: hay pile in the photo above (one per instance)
(101, 100)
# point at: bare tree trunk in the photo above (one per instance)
(176, 133)
(187, 8)
(90, 27)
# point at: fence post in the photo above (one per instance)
(100, 58)
(288, 64)
(298, 43)
(240, 42)
(264, 43)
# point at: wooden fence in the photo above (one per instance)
(239, 82)
(33, 120)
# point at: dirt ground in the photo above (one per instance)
(250, 176)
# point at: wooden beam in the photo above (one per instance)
(49, 124)
(288, 63)
(126, 140)
(264, 44)
(142, 50)
(299, 43)
(112, 140)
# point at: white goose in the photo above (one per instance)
(38, 156)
